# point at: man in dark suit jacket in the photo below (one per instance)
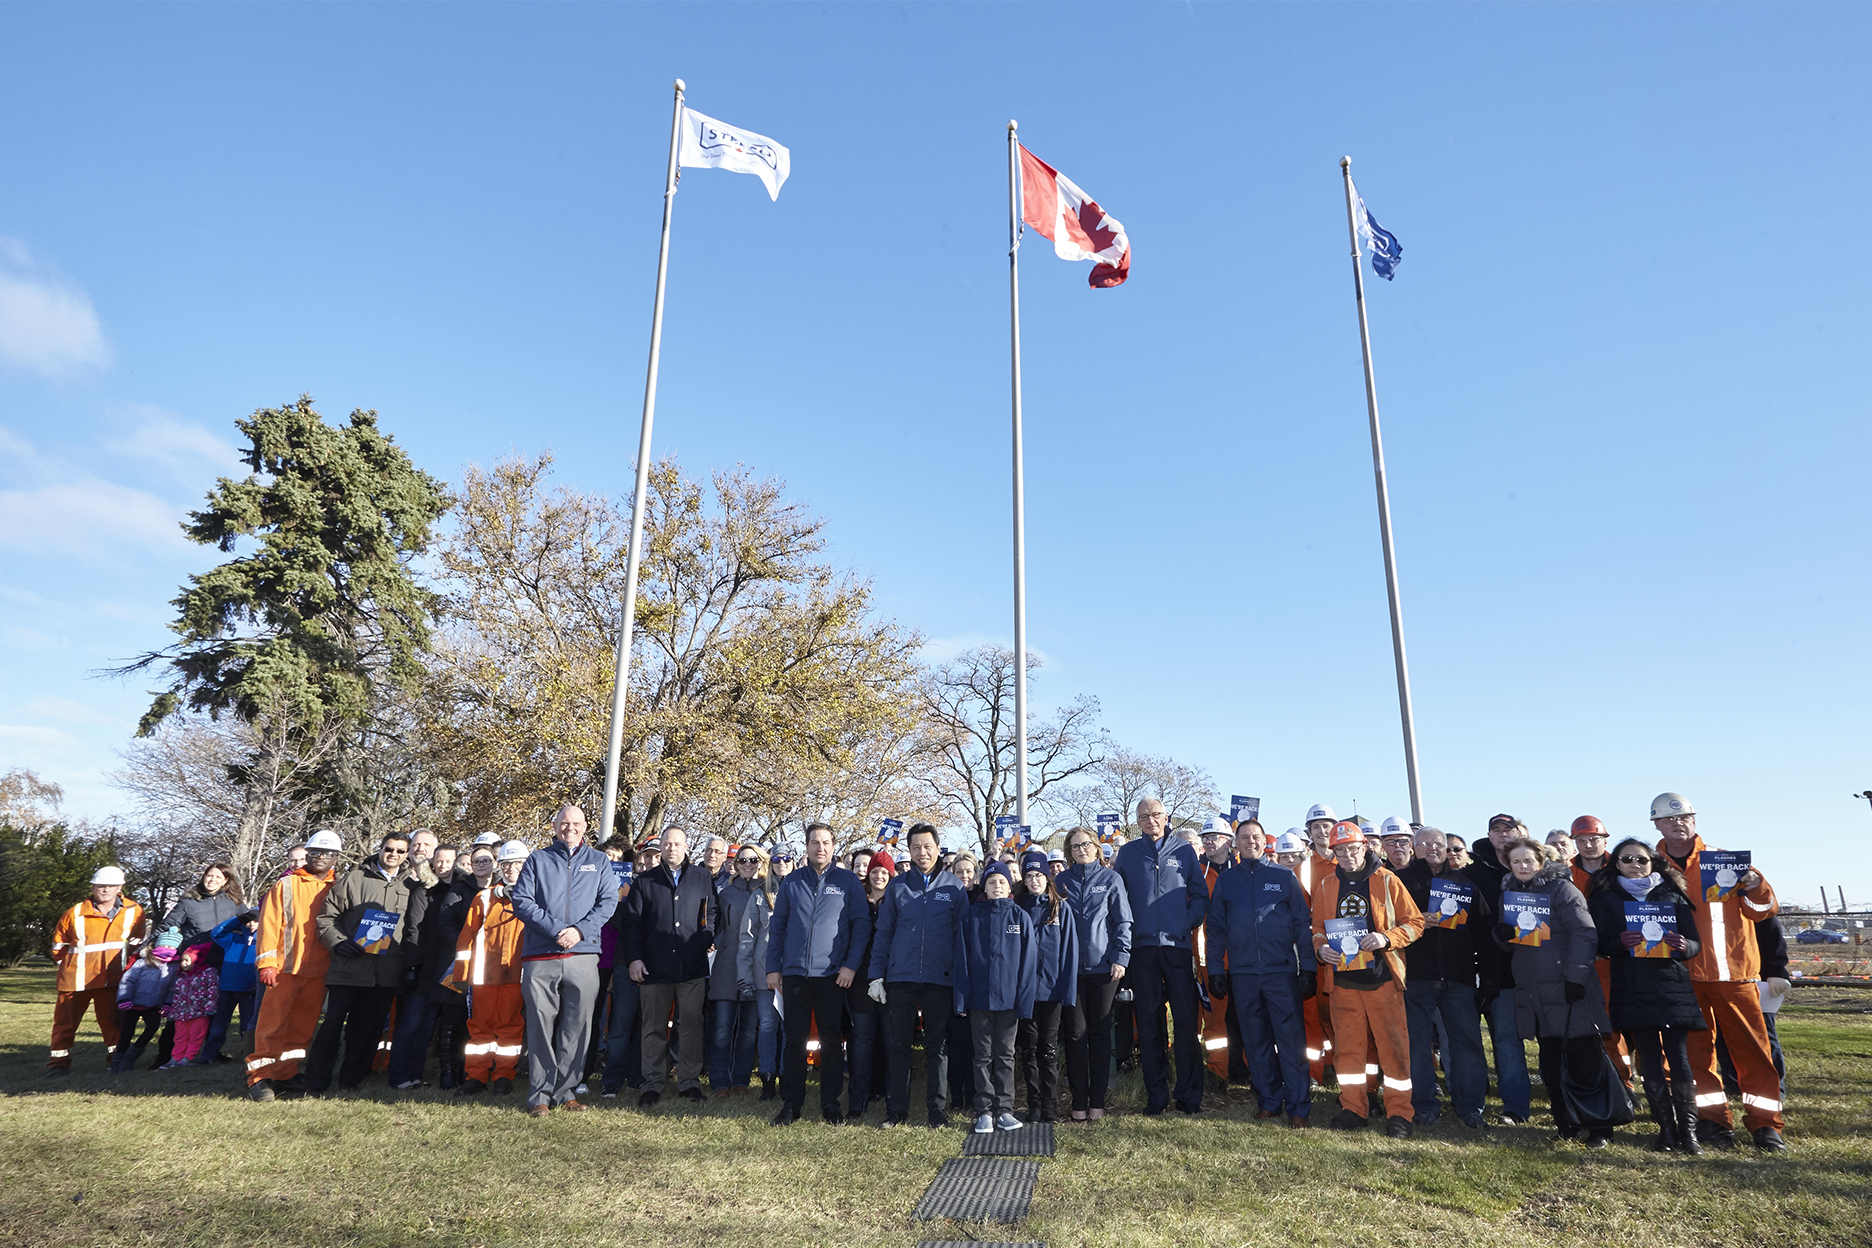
(664, 936)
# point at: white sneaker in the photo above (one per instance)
(984, 1125)
(1008, 1122)
(581, 1090)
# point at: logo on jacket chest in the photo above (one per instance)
(1015, 929)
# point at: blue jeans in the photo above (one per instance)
(1511, 1077)
(224, 1014)
(737, 1040)
(1274, 1040)
(409, 1047)
(769, 1044)
(1439, 1005)
(623, 1043)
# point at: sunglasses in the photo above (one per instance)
(747, 862)
(388, 852)
(1636, 862)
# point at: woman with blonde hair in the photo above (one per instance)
(739, 975)
(1557, 996)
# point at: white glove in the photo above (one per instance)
(1777, 987)
(876, 991)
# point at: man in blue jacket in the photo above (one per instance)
(820, 924)
(564, 895)
(912, 969)
(1261, 923)
(1164, 882)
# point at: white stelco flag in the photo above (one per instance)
(710, 144)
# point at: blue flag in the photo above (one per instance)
(1386, 252)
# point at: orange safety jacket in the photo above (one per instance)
(90, 946)
(488, 950)
(1313, 869)
(1726, 928)
(1210, 876)
(289, 940)
(1393, 915)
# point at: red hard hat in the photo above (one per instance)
(1588, 825)
(1345, 832)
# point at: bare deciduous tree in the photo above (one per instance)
(966, 760)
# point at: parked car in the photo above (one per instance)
(1821, 936)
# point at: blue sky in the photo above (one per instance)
(1620, 368)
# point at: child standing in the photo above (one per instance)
(235, 939)
(141, 994)
(191, 1004)
(487, 964)
(996, 961)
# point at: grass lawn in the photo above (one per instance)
(180, 1157)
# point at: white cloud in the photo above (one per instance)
(47, 325)
(182, 446)
(59, 507)
(13, 637)
(87, 518)
(72, 711)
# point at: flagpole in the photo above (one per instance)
(1384, 510)
(621, 680)
(1020, 505)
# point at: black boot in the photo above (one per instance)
(767, 1087)
(449, 1076)
(1683, 1092)
(1664, 1113)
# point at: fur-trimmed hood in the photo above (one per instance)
(1550, 874)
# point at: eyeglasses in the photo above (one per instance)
(394, 853)
(747, 862)
(1628, 860)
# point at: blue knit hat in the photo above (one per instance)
(1034, 860)
(1001, 869)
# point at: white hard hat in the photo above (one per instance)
(1393, 826)
(1664, 805)
(108, 875)
(1216, 825)
(488, 838)
(513, 851)
(324, 842)
(1321, 811)
(1290, 842)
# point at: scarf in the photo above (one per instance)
(1640, 888)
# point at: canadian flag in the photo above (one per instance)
(1079, 228)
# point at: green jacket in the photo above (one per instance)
(364, 887)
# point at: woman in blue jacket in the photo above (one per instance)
(1056, 986)
(1100, 914)
(995, 979)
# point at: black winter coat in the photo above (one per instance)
(443, 915)
(1648, 994)
(1487, 871)
(1542, 973)
(1463, 955)
(197, 915)
(667, 926)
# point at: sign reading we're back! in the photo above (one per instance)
(1449, 903)
(1531, 916)
(1722, 871)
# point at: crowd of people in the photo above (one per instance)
(1337, 954)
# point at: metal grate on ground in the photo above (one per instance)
(1033, 1140)
(980, 1189)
